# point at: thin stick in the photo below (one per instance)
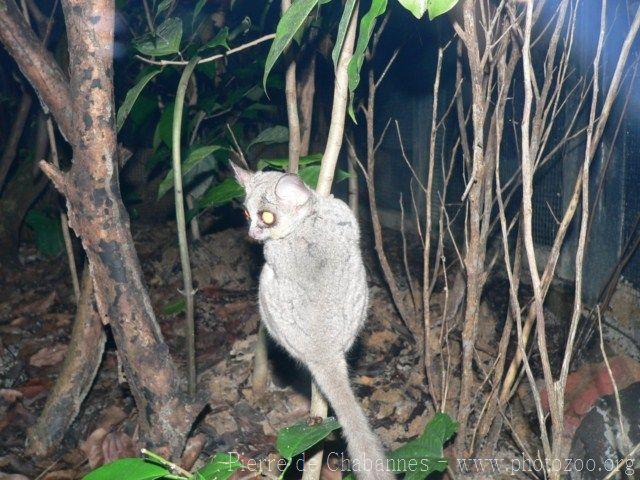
(623, 431)
(339, 109)
(64, 222)
(426, 297)
(147, 14)
(212, 58)
(622, 462)
(181, 224)
(291, 96)
(238, 150)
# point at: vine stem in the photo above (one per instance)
(181, 223)
(212, 58)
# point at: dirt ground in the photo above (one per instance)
(36, 314)
(37, 307)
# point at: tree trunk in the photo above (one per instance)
(76, 377)
(85, 113)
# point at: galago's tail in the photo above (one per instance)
(367, 456)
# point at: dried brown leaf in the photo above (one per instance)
(48, 356)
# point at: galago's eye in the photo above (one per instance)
(246, 213)
(268, 218)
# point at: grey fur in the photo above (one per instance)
(313, 295)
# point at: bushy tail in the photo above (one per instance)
(368, 460)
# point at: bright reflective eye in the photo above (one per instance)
(268, 218)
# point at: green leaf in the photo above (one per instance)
(164, 129)
(287, 27)
(144, 109)
(342, 31)
(197, 189)
(438, 7)
(299, 35)
(174, 307)
(367, 24)
(220, 40)
(416, 7)
(221, 193)
(162, 6)
(196, 167)
(197, 9)
(425, 455)
(271, 135)
(254, 94)
(310, 174)
(283, 163)
(297, 438)
(48, 230)
(166, 40)
(220, 468)
(131, 97)
(129, 468)
(194, 158)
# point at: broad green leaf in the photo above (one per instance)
(438, 7)
(164, 129)
(271, 135)
(424, 455)
(143, 110)
(299, 35)
(48, 230)
(208, 68)
(367, 24)
(416, 7)
(174, 307)
(220, 40)
(221, 467)
(283, 163)
(194, 158)
(297, 438)
(129, 468)
(342, 31)
(197, 189)
(131, 97)
(206, 165)
(310, 174)
(221, 193)
(287, 27)
(165, 41)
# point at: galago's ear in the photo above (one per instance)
(243, 176)
(292, 191)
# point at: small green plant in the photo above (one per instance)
(48, 232)
(416, 460)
